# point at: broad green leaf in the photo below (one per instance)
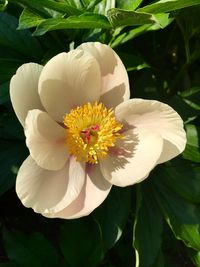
(24, 45)
(119, 17)
(32, 249)
(12, 155)
(162, 19)
(93, 3)
(195, 256)
(29, 19)
(147, 234)
(50, 4)
(128, 4)
(182, 216)
(192, 151)
(75, 3)
(81, 243)
(112, 215)
(167, 6)
(85, 21)
(182, 177)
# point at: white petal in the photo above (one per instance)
(157, 117)
(24, 90)
(94, 192)
(115, 83)
(133, 157)
(49, 191)
(68, 80)
(46, 140)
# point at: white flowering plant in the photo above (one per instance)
(99, 133)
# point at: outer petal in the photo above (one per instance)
(68, 80)
(46, 140)
(133, 158)
(49, 191)
(157, 117)
(114, 75)
(24, 90)
(94, 192)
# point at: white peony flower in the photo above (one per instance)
(83, 132)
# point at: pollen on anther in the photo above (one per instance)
(90, 130)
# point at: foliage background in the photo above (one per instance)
(152, 224)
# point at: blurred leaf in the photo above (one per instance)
(181, 177)
(192, 150)
(182, 216)
(119, 17)
(9, 264)
(191, 97)
(190, 25)
(147, 234)
(50, 4)
(8, 68)
(29, 19)
(186, 112)
(4, 95)
(3, 4)
(20, 41)
(133, 62)
(85, 21)
(195, 256)
(12, 155)
(167, 6)
(32, 249)
(81, 243)
(112, 215)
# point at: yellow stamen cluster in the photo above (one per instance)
(91, 130)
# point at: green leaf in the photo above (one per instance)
(3, 4)
(167, 6)
(29, 19)
(32, 249)
(191, 97)
(182, 216)
(129, 4)
(85, 21)
(182, 177)
(50, 4)
(112, 215)
(12, 155)
(81, 243)
(119, 17)
(195, 256)
(186, 112)
(162, 21)
(8, 67)
(22, 43)
(147, 234)
(4, 95)
(9, 264)
(133, 62)
(192, 151)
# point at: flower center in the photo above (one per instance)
(91, 130)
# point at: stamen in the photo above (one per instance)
(91, 130)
